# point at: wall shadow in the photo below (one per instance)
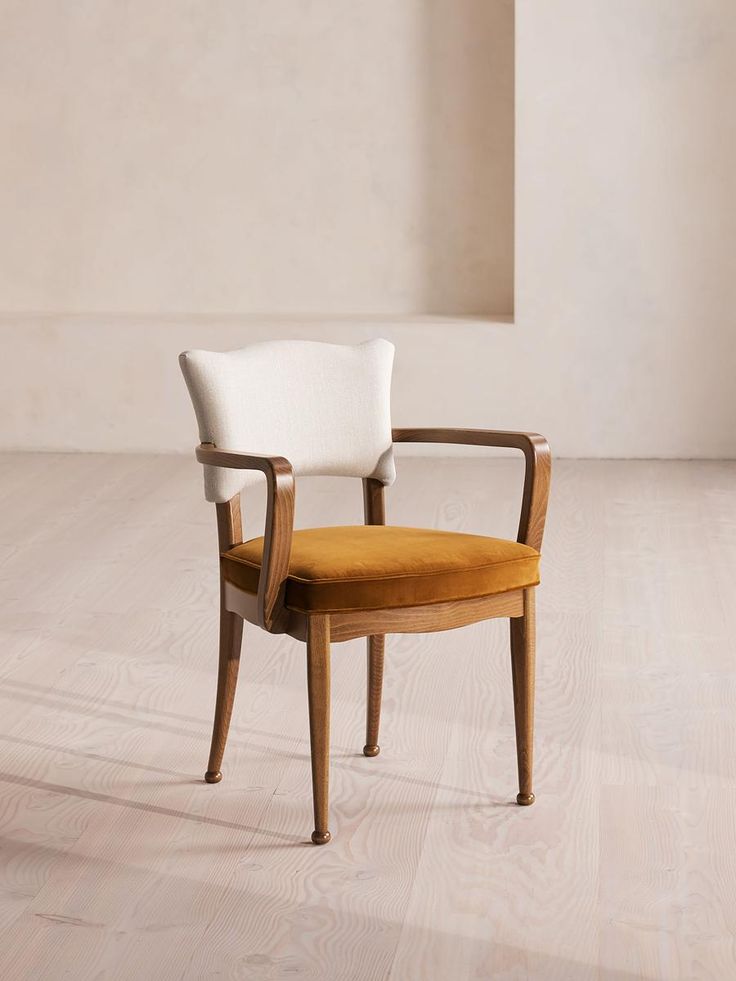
(467, 220)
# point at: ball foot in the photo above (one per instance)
(321, 837)
(525, 799)
(371, 750)
(213, 776)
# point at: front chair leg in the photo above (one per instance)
(376, 646)
(318, 688)
(231, 636)
(522, 672)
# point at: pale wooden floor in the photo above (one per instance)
(119, 862)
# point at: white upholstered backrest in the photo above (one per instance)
(325, 407)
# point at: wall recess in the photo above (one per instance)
(322, 158)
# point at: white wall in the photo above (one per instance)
(624, 341)
(231, 156)
(626, 234)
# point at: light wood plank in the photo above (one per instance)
(117, 861)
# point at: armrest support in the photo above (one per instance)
(536, 478)
(279, 522)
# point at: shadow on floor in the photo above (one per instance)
(55, 699)
(303, 934)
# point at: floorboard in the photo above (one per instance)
(118, 862)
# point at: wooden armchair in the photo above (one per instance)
(326, 585)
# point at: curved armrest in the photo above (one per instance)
(279, 522)
(536, 478)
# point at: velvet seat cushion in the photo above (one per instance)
(368, 567)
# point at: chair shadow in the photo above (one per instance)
(65, 790)
(38, 744)
(374, 940)
(55, 699)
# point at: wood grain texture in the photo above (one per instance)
(318, 689)
(523, 649)
(117, 861)
(419, 619)
(536, 477)
(374, 502)
(279, 524)
(376, 647)
(272, 614)
(374, 510)
(229, 534)
(231, 638)
(229, 524)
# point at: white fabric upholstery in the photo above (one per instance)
(325, 407)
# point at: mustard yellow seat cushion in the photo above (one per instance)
(367, 567)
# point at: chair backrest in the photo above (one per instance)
(325, 407)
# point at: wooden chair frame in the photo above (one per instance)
(267, 608)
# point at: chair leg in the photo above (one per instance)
(522, 672)
(231, 635)
(318, 688)
(376, 646)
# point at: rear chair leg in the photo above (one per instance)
(231, 635)
(318, 689)
(376, 646)
(523, 637)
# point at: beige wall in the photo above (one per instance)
(210, 156)
(624, 343)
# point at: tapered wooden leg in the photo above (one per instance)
(376, 646)
(231, 635)
(318, 686)
(522, 672)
